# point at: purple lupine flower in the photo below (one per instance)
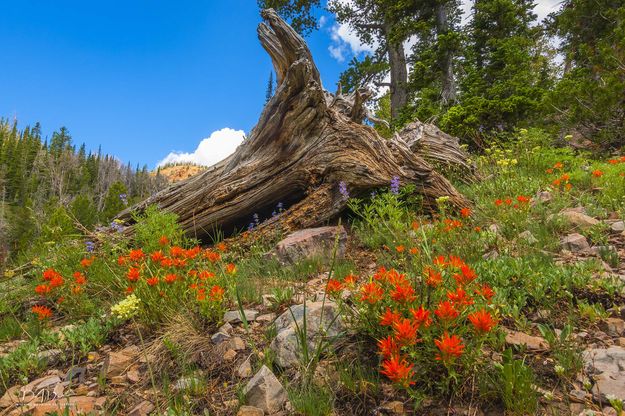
(123, 198)
(374, 194)
(117, 227)
(90, 245)
(256, 219)
(280, 206)
(395, 185)
(343, 189)
(250, 227)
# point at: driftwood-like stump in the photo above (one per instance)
(306, 142)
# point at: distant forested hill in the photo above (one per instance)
(49, 187)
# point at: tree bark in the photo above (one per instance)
(399, 74)
(446, 62)
(306, 142)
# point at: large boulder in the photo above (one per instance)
(322, 320)
(311, 242)
(575, 243)
(607, 368)
(265, 392)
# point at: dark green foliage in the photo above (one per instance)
(114, 201)
(503, 86)
(299, 13)
(590, 95)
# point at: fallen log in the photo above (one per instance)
(306, 142)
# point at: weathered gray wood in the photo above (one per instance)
(306, 142)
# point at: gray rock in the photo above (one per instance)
(543, 196)
(265, 391)
(607, 367)
(322, 320)
(617, 226)
(219, 337)
(234, 317)
(51, 357)
(579, 219)
(311, 242)
(528, 237)
(575, 242)
(245, 369)
(615, 327)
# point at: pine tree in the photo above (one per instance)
(502, 87)
(270, 90)
(590, 97)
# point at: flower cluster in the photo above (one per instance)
(127, 308)
(55, 286)
(176, 273)
(520, 201)
(441, 316)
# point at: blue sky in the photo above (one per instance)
(141, 77)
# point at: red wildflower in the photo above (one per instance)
(163, 241)
(613, 161)
(56, 281)
(450, 347)
(42, 289)
(485, 291)
(49, 274)
(434, 278)
(421, 316)
(482, 321)
(133, 274)
(171, 278)
(459, 297)
(446, 311)
(350, 280)
(167, 262)
(456, 262)
(87, 262)
(389, 317)
(414, 225)
(121, 260)
(465, 212)
(204, 274)
(212, 256)
(400, 248)
(508, 201)
(440, 261)
(231, 268)
(388, 347)
(523, 199)
(153, 281)
(549, 171)
(176, 251)
(558, 165)
(403, 293)
(597, 173)
(217, 293)
(76, 289)
(333, 286)
(466, 275)
(405, 332)
(42, 312)
(157, 256)
(136, 255)
(80, 278)
(398, 371)
(498, 202)
(414, 251)
(371, 293)
(221, 247)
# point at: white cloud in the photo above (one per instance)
(216, 147)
